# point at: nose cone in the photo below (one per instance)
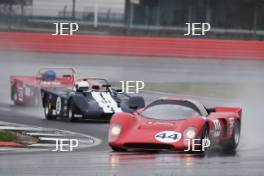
(157, 134)
(149, 128)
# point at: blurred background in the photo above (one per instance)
(139, 39)
(235, 19)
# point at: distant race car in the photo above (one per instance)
(90, 98)
(175, 124)
(25, 90)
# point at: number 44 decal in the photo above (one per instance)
(164, 136)
(168, 136)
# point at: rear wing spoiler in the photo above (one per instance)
(64, 72)
(229, 109)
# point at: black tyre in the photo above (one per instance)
(205, 137)
(231, 145)
(203, 141)
(48, 112)
(14, 95)
(71, 112)
(118, 149)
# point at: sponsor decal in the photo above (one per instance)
(168, 136)
(50, 83)
(218, 128)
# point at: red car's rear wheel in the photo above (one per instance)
(232, 143)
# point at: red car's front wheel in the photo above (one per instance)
(118, 149)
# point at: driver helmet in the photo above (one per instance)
(49, 75)
(82, 86)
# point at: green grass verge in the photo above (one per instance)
(6, 136)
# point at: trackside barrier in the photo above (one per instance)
(132, 46)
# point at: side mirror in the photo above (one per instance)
(136, 102)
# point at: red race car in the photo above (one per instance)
(25, 90)
(175, 124)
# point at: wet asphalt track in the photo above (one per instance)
(99, 160)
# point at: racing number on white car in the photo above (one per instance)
(168, 136)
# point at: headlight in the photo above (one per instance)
(115, 129)
(114, 132)
(190, 133)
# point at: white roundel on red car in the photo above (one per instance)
(168, 136)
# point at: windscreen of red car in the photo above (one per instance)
(169, 111)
